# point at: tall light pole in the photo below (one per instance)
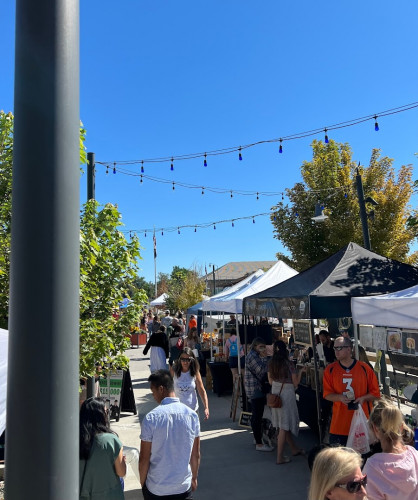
(213, 277)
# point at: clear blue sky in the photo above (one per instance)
(163, 78)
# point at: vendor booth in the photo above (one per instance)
(395, 325)
(159, 301)
(325, 291)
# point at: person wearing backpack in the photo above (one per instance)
(231, 351)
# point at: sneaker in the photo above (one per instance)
(264, 448)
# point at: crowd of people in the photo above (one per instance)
(173, 427)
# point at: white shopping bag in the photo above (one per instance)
(358, 437)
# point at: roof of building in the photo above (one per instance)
(238, 270)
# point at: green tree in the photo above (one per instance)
(185, 288)
(140, 283)
(6, 166)
(329, 178)
(108, 268)
(6, 160)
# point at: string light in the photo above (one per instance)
(233, 225)
(258, 197)
(107, 169)
(173, 187)
(326, 136)
(145, 234)
(298, 135)
(172, 164)
(114, 168)
(162, 233)
(232, 195)
(195, 230)
(239, 154)
(178, 230)
(214, 227)
(142, 167)
(141, 181)
(203, 190)
(205, 163)
(253, 220)
(376, 125)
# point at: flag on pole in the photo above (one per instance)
(155, 246)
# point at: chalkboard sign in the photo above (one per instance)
(302, 331)
(245, 419)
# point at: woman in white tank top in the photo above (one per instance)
(187, 380)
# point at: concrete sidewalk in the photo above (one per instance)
(230, 467)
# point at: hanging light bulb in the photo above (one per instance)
(195, 230)
(173, 187)
(282, 196)
(253, 220)
(141, 179)
(233, 225)
(178, 230)
(239, 154)
(232, 195)
(107, 169)
(257, 197)
(142, 167)
(114, 168)
(205, 163)
(274, 218)
(280, 147)
(145, 234)
(376, 125)
(326, 136)
(203, 190)
(345, 195)
(172, 164)
(214, 227)
(162, 233)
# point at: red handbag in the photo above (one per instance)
(274, 400)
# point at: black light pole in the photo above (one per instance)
(363, 213)
(43, 380)
(91, 195)
(214, 282)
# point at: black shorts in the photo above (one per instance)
(233, 361)
(187, 495)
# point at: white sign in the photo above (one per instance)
(379, 338)
(366, 336)
(111, 391)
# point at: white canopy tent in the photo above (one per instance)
(209, 304)
(398, 309)
(4, 337)
(231, 300)
(159, 301)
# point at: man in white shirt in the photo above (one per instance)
(170, 444)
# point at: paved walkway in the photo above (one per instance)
(230, 467)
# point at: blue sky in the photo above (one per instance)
(167, 78)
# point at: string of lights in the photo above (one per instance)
(195, 227)
(281, 140)
(217, 190)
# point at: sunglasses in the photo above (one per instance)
(340, 348)
(185, 360)
(354, 486)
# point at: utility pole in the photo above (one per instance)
(42, 446)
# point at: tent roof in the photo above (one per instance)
(232, 301)
(159, 301)
(396, 309)
(325, 290)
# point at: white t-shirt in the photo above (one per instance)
(185, 389)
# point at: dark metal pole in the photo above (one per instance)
(43, 374)
(91, 177)
(363, 213)
(214, 282)
(91, 195)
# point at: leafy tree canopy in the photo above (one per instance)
(329, 178)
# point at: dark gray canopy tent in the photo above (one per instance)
(325, 290)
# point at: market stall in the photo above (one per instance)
(325, 290)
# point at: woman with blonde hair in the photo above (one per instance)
(336, 475)
(392, 474)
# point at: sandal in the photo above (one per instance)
(300, 452)
(285, 460)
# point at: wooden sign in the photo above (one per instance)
(302, 331)
(245, 419)
(235, 397)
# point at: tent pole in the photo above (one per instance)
(356, 339)
(238, 346)
(316, 371)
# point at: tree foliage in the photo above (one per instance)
(108, 269)
(329, 178)
(6, 160)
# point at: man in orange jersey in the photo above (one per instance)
(347, 383)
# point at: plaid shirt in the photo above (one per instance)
(255, 370)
